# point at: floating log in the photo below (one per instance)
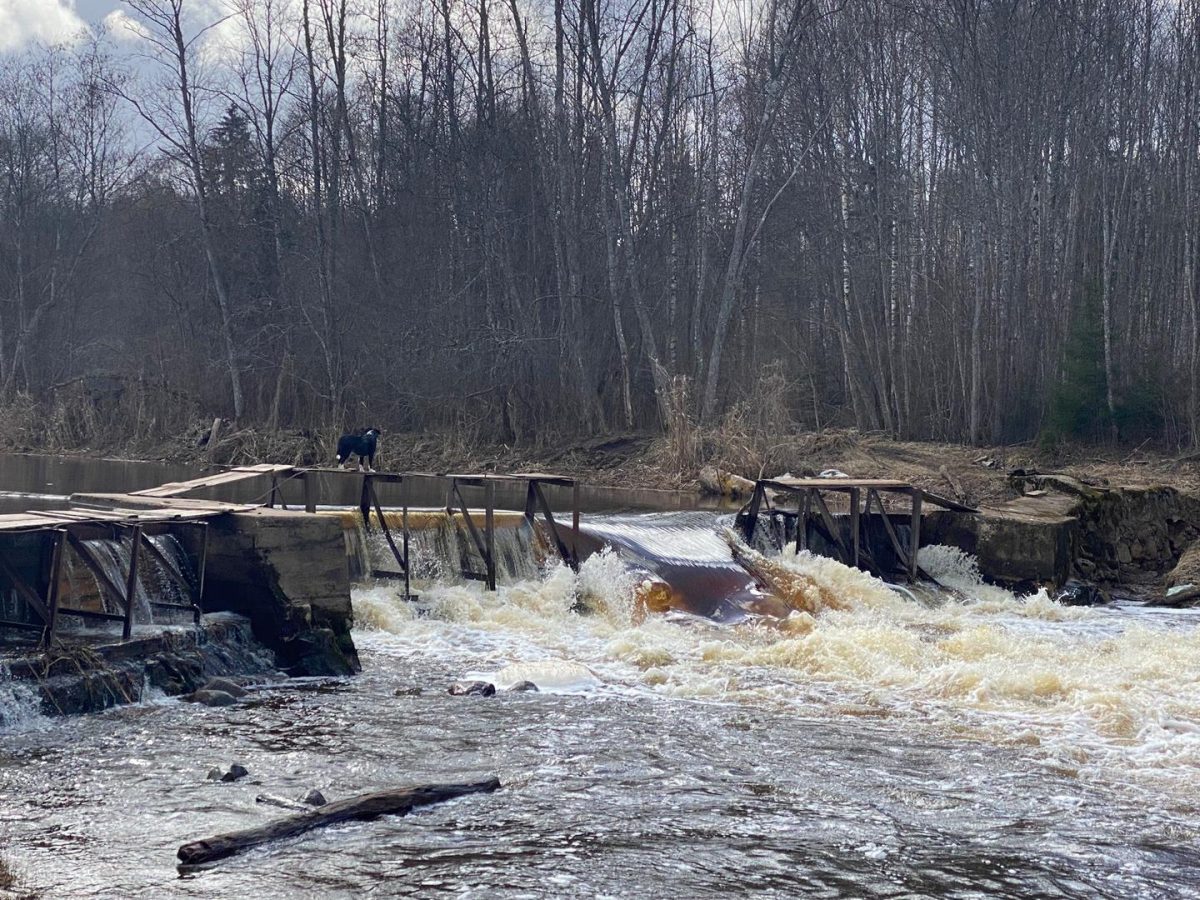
(362, 808)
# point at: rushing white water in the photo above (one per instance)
(1109, 694)
(20, 707)
(956, 742)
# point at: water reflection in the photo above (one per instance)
(34, 481)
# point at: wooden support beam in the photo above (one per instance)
(805, 514)
(831, 525)
(751, 512)
(52, 590)
(575, 525)
(901, 553)
(489, 492)
(914, 537)
(548, 514)
(404, 522)
(364, 502)
(480, 545)
(201, 566)
(855, 527)
(178, 577)
(135, 547)
(401, 558)
(93, 565)
(31, 597)
(310, 492)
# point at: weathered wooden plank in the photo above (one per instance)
(362, 808)
(947, 503)
(230, 476)
(545, 478)
(835, 484)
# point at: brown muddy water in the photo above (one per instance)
(936, 744)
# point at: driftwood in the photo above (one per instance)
(363, 807)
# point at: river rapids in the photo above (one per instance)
(948, 742)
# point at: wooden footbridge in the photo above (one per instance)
(32, 556)
(797, 509)
(131, 519)
(483, 534)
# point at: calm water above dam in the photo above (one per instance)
(901, 746)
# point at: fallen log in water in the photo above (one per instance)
(363, 807)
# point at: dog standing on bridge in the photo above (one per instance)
(361, 444)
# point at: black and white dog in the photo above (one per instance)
(361, 444)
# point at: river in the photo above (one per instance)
(948, 744)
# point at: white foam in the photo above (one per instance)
(1111, 694)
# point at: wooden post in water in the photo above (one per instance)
(56, 555)
(855, 527)
(310, 493)
(489, 491)
(914, 537)
(805, 512)
(131, 582)
(574, 561)
(404, 522)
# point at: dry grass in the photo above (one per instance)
(756, 437)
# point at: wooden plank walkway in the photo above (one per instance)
(41, 520)
(230, 476)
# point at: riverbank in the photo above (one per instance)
(974, 475)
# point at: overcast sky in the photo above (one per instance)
(22, 21)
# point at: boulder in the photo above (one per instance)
(522, 687)
(235, 772)
(1080, 593)
(210, 698)
(472, 689)
(314, 798)
(225, 686)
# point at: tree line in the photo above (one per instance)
(969, 220)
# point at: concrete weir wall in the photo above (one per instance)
(1061, 528)
(286, 571)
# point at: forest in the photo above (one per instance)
(524, 220)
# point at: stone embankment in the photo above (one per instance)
(1138, 536)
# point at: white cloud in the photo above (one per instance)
(123, 27)
(24, 21)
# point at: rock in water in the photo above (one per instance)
(314, 798)
(472, 688)
(211, 698)
(226, 686)
(214, 774)
(1079, 593)
(523, 687)
(235, 772)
